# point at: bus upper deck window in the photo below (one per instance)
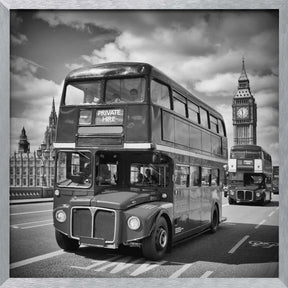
(83, 93)
(125, 90)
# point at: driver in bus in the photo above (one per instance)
(149, 177)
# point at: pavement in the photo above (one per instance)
(27, 201)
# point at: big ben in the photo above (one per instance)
(244, 111)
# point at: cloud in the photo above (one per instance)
(221, 84)
(16, 37)
(31, 101)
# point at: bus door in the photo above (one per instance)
(186, 202)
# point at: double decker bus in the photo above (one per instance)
(139, 161)
(250, 175)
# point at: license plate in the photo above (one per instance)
(93, 241)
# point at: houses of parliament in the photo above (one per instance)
(32, 169)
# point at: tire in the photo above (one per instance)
(215, 221)
(262, 201)
(231, 201)
(66, 243)
(155, 246)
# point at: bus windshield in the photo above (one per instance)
(74, 169)
(246, 155)
(117, 91)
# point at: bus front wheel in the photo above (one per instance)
(155, 246)
(66, 243)
(231, 201)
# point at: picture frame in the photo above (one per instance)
(6, 6)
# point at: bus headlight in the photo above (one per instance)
(57, 193)
(258, 194)
(231, 192)
(60, 216)
(133, 223)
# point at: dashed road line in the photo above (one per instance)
(97, 263)
(35, 226)
(36, 259)
(272, 213)
(207, 274)
(261, 223)
(180, 271)
(145, 267)
(26, 223)
(238, 244)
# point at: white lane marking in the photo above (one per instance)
(120, 266)
(35, 259)
(261, 223)
(146, 267)
(224, 205)
(238, 244)
(273, 212)
(207, 274)
(26, 223)
(180, 271)
(35, 226)
(97, 263)
(277, 208)
(30, 212)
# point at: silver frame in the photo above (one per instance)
(6, 6)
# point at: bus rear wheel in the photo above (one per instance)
(155, 246)
(215, 221)
(66, 243)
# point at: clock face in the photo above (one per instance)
(242, 112)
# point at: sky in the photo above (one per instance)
(201, 50)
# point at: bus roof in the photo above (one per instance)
(115, 69)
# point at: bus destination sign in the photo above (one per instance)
(109, 117)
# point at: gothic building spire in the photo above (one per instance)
(23, 144)
(243, 81)
(53, 116)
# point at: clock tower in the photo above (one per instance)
(244, 111)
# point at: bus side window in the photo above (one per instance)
(206, 176)
(160, 94)
(195, 176)
(182, 176)
(215, 177)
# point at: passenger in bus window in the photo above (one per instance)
(133, 95)
(90, 99)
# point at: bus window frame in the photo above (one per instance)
(91, 169)
(183, 100)
(106, 79)
(150, 101)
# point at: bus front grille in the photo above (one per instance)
(240, 195)
(244, 195)
(92, 222)
(81, 222)
(104, 225)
